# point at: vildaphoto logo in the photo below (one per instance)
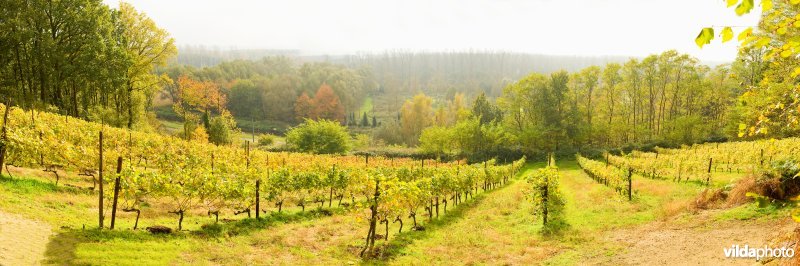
(758, 253)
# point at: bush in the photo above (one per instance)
(362, 141)
(222, 129)
(389, 133)
(321, 137)
(266, 140)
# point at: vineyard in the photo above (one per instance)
(150, 167)
(698, 162)
(395, 210)
(611, 176)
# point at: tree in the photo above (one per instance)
(201, 96)
(436, 140)
(364, 120)
(486, 111)
(197, 96)
(414, 117)
(222, 129)
(320, 137)
(246, 99)
(326, 105)
(777, 36)
(631, 83)
(303, 107)
(146, 46)
(67, 54)
(588, 79)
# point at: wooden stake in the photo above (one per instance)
(100, 179)
(116, 193)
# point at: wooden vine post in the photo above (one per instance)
(258, 198)
(258, 183)
(5, 137)
(544, 200)
(630, 184)
(100, 178)
(333, 178)
(116, 193)
(708, 178)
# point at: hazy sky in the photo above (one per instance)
(561, 27)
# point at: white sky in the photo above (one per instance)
(559, 27)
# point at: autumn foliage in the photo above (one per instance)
(201, 95)
(324, 105)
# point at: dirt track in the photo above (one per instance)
(22, 241)
(700, 243)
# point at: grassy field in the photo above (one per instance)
(366, 107)
(496, 227)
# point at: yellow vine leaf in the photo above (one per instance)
(764, 41)
(727, 34)
(766, 5)
(745, 33)
(744, 7)
(705, 37)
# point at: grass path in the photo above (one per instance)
(22, 241)
(333, 240)
(498, 230)
(502, 230)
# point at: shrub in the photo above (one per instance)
(362, 141)
(222, 129)
(321, 137)
(266, 140)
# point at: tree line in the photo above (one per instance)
(81, 58)
(664, 99)
(280, 88)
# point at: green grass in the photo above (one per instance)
(497, 227)
(366, 107)
(501, 228)
(172, 127)
(752, 211)
(28, 186)
(118, 247)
